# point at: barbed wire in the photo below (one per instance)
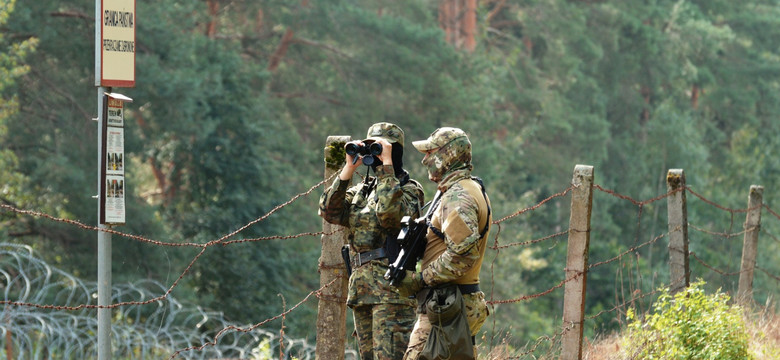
(529, 242)
(275, 209)
(225, 240)
(249, 329)
(777, 278)
(776, 215)
(630, 250)
(112, 306)
(532, 208)
(708, 201)
(634, 299)
(203, 247)
(555, 339)
(635, 296)
(278, 237)
(637, 202)
(533, 296)
(771, 236)
(723, 234)
(138, 331)
(222, 239)
(708, 266)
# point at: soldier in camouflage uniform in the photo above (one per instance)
(463, 218)
(372, 210)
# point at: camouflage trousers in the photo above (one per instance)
(476, 314)
(383, 330)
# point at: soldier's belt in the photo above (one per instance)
(364, 257)
(468, 288)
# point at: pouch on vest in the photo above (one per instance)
(450, 337)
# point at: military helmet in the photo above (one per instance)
(390, 132)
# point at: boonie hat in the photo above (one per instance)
(390, 132)
(440, 137)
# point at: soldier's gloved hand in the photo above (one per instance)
(411, 283)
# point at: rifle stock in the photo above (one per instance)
(413, 241)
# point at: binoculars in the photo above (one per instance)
(367, 152)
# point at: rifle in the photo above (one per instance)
(412, 240)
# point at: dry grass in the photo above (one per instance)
(763, 326)
(602, 348)
(764, 332)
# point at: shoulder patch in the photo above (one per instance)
(455, 228)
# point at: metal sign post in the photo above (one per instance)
(104, 256)
(115, 23)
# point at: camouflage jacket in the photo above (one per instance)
(370, 218)
(461, 215)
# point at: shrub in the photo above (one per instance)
(688, 325)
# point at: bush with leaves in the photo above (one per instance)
(688, 325)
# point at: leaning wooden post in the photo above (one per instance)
(677, 211)
(577, 262)
(750, 243)
(332, 307)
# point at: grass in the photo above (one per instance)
(762, 325)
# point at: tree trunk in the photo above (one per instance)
(458, 19)
(211, 27)
(695, 92)
(281, 50)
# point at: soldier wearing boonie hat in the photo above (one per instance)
(456, 238)
(372, 212)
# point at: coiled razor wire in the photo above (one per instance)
(154, 330)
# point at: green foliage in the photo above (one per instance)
(12, 67)
(216, 137)
(689, 325)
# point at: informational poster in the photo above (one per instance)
(113, 163)
(115, 116)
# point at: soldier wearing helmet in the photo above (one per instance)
(456, 237)
(372, 212)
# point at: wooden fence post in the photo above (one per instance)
(677, 212)
(750, 243)
(332, 307)
(577, 263)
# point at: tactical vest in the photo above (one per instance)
(436, 245)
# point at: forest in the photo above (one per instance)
(234, 99)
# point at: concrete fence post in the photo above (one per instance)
(332, 307)
(577, 263)
(750, 243)
(677, 210)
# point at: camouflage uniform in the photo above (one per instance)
(383, 319)
(461, 216)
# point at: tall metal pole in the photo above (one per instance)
(103, 238)
(104, 254)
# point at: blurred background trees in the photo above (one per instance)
(234, 99)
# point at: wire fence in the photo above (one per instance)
(50, 314)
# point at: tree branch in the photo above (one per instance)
(298, 40)
(281, 50)
(305, 95)
(73, 14)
